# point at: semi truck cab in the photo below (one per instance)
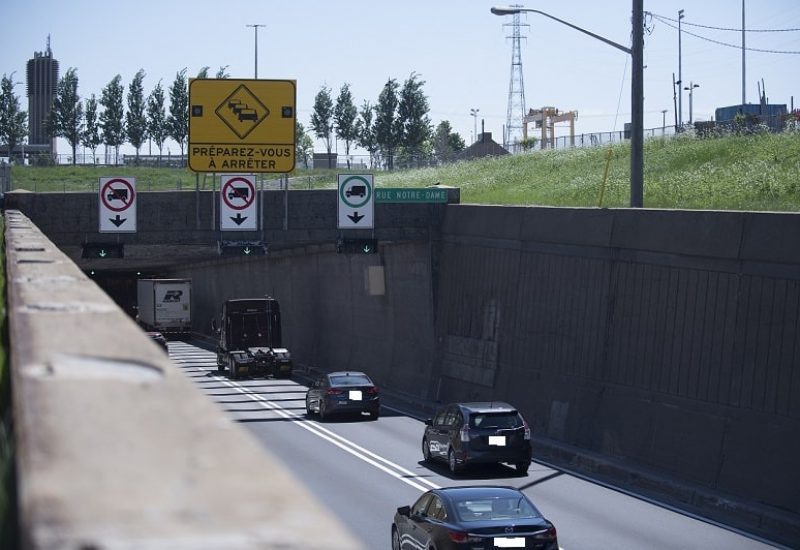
(250, 339)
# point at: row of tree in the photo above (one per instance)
(397, 124)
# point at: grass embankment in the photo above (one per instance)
(758, 172)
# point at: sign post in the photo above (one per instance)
(117, 205)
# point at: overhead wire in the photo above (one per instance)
(664, 17)
(667, 22)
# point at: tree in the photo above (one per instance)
(446, 143)
(203, 73)
(304, 145)
(223, 72)
(66, 114)
(412, 114)
(91, 131)
(135, 119)
(321, 117)
(178, 120)
(388, 127)
(365, 130)
(111, 119)
(13, 121)
(157, 118)
(344, 116)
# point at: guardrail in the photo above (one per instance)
(115, 447)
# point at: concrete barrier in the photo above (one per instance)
(115, 447)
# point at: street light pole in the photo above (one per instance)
(637, 87)
(474, 114)
(691, 88)
(255, 28)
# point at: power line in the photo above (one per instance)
(736, 46)
(663, 17)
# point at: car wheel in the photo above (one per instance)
(426, 450)
(323, 410)
(309, 412)
(395, 539)
(234, 370)
(522, 467)
(451, 461)
(374, 415)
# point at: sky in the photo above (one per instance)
(459, 49)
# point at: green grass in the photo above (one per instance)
(757, 172)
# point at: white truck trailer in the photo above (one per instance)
(165, 305)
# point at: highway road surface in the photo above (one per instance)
(362, 470)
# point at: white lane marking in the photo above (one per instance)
(304, 424)
(345, 444)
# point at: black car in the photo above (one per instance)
(345, 391)
(482, 517)
(159, 339)
(473, 433)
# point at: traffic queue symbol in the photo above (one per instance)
(117, 205)
(356, 201)
(238, 195)
(242, 111)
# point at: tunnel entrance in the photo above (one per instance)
(121, 286)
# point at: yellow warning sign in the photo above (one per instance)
(242, 125)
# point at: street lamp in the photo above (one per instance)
(691, 87)
(255, 28)
(637, 88)
(474, 114)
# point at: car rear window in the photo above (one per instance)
(502, 420)
(495, 508)
(351, 380)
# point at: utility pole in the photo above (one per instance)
(255, 28)
(744, 99)
(663, 121)
(680, 73)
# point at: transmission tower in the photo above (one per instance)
(516, 85)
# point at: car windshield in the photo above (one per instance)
(498, 508)
(351, 379)
(503, 420)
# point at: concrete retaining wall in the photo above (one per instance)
(115, 446)
(670, 339)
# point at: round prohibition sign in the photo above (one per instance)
(230, 192)
(126, 195)
(357, 190)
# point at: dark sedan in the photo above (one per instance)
(478, 518)
(159, 339)
(341, 392)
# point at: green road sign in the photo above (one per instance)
(403, 194)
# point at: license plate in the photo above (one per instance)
(354, 395)
(509, 542)
(498, 440)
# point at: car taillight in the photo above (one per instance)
(373, 390)
(527, 430)
(333, 391)
(465, 433)
(459, 537)
(551, 532)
